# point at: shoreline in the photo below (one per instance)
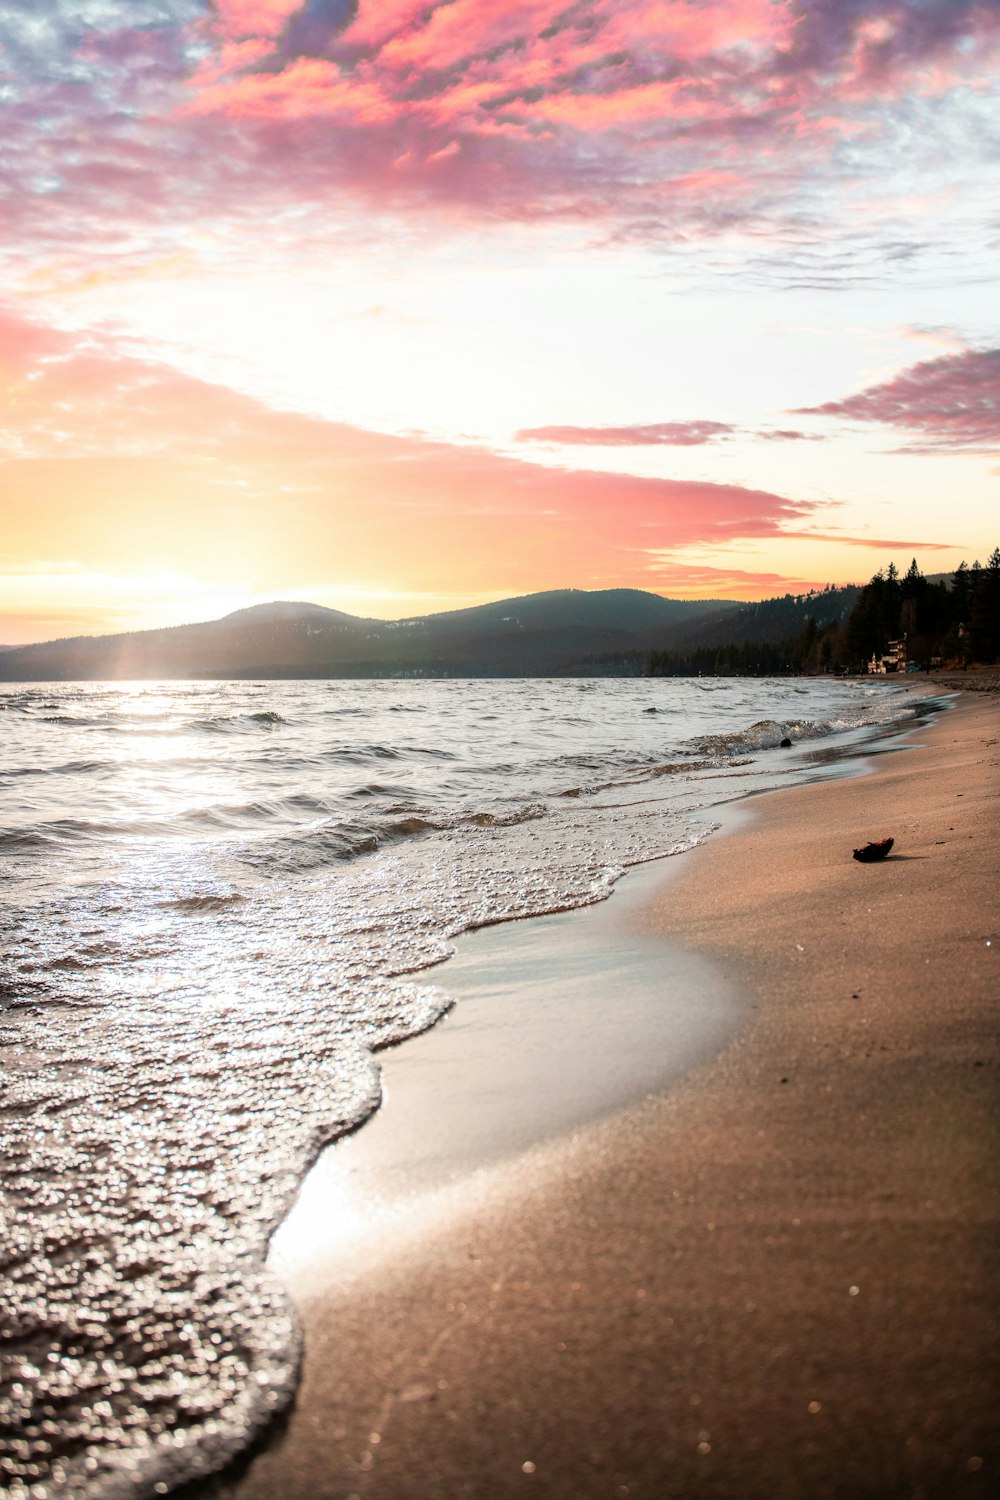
(587, 1313)
(559, 1020)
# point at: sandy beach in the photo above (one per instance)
(773, 1275)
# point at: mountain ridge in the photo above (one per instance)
(553, 633)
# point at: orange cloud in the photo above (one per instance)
(254, 18)
(132, 466)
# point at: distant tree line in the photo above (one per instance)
(956, 621)
(749, 658)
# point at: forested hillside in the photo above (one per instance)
(951, 621)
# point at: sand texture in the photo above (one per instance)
(779, 1276)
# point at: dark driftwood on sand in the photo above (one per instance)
(871, 852)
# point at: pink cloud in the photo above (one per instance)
(651, 434)
(883, 544)
(308, 86)
(874, 45)
(951, 403)
(684, 580)
(604, 64)
(678, 112)
(646, 120)
(238, 19)
(658, 434)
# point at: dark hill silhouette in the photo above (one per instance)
(282, 610)
(559, 632)
(795, 633)
(769, 621)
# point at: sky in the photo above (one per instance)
(406, 305)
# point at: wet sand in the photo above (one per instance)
(559, 1021)
(777, 1276)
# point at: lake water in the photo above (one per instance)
(215, 903)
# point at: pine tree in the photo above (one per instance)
(988, 611)
(978, 624)
(960, 595)
(913, 592)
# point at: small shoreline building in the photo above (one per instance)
(894, 659)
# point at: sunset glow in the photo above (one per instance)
(400, 307)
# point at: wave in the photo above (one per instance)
(79, 721)
(265, 718)
(768, 734)
(325, 838)
(114, 722)
(765, 734)
(638, 777)
(359, 755)
(61, 831)
(368, 789)
(313, 849)
(248, 815)
(505, 819)
(345, 839)
(70, 768)
(203, 903)
(23, 703)
(235, 817)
